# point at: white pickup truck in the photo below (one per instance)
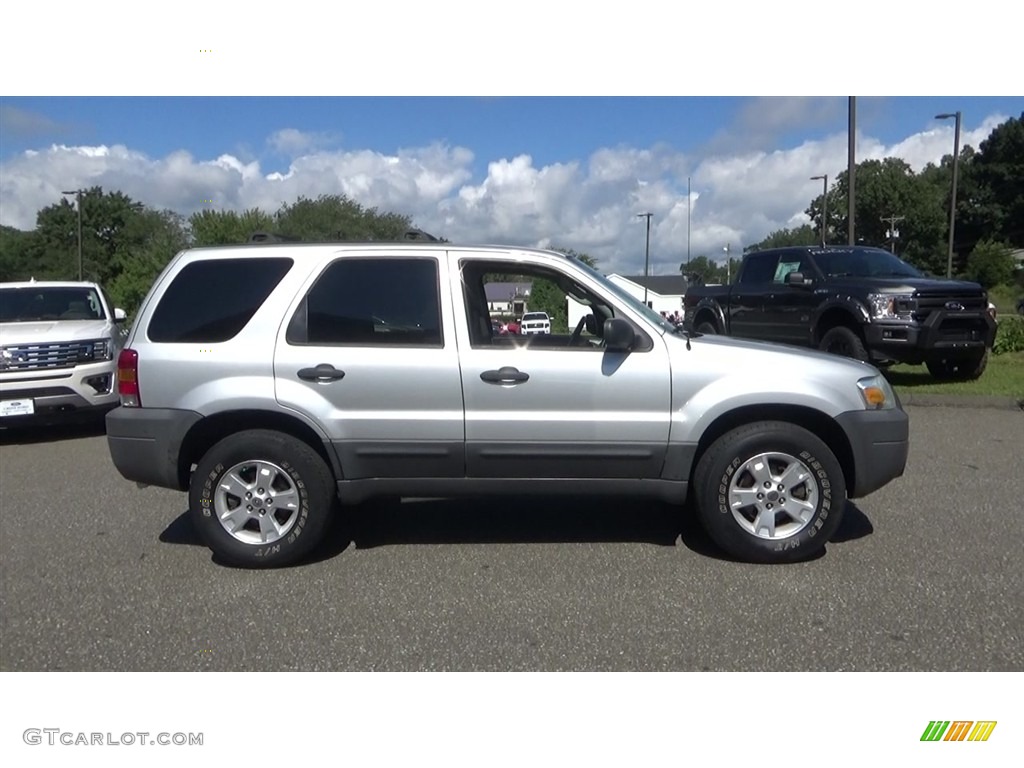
(535, 323)
(58, 351)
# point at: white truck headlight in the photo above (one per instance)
(889, 306)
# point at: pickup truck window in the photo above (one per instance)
(375, 302)
(759, 268)
(862, 262)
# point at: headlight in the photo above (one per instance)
(100, 349)
(877, 393)
(888, 306)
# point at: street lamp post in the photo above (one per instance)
(824, 204)
(647, 251)
(952, 196)
(78, 203)
(728, 264)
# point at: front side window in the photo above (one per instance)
(213, 300)
(372, 302)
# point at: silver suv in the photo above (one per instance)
(276, 383)
(58, 348)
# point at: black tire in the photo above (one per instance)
(726, 462)
(846, 342)
(958, 368)
(706, 326)
(294, 470)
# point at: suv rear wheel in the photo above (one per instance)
(261, 498)
(770, 492)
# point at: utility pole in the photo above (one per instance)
(688, 204)
(892, 233)
(647, 251)
(851, 167)
(952, 196)
(728, 264)
(824, 204)
(78, 197)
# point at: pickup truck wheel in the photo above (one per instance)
(261, 499)
(770, 492)
(706, 327)
(844, 341)
(959, 368)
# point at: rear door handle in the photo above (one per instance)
(506, 375)
(323, 373)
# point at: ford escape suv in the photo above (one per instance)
(278, 383)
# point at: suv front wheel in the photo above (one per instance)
(261, 499)
(770, 492)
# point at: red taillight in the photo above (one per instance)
(128, 377)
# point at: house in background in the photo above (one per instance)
(664, 294)
(507, 299)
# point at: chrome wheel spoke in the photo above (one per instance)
(795, 474)
(764, 523)
(800, 510)
(270, 529)
(233, 485)
(743, 497)
(234, 520)
(759, 470)
(285, 499)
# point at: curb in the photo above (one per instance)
(962, 401)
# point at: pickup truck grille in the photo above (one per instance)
(950, 302)
(28, 357)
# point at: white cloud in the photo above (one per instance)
(588, 204)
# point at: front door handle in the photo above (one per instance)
(323, 373)
(506, 375)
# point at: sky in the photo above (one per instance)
(518, 168)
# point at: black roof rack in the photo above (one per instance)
(409, 234)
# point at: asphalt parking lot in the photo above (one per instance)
(923, 575)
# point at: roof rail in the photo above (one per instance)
(409, 234)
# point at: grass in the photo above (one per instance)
(1004, 376)
(1005, 298)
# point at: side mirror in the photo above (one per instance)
(619, 335)
(797, 278)
(119, 315)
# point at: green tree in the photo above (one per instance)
(336, 217)
(781, 238)
(990, 264)
(15, 259)
(701, 268)
(209, 227)
(588, 260)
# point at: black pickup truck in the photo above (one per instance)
(856, 301)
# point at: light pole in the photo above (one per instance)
(647, 251)
(689, 202)
(824, 204)
(851, 167)
(78, 202)
(728, 264)
(952, 196)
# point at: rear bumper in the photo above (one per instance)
(145, 444)
(880, 442)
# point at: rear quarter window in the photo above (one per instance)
(212, 301)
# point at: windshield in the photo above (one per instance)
(863, 263)
(19, 305)
(629, 299)
(535, 316)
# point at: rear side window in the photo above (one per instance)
(376, 302)
(211, 301)
(759, 268)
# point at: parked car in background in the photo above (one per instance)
(283, 401)
(536, 322)
(59, 343)
(854, 301)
